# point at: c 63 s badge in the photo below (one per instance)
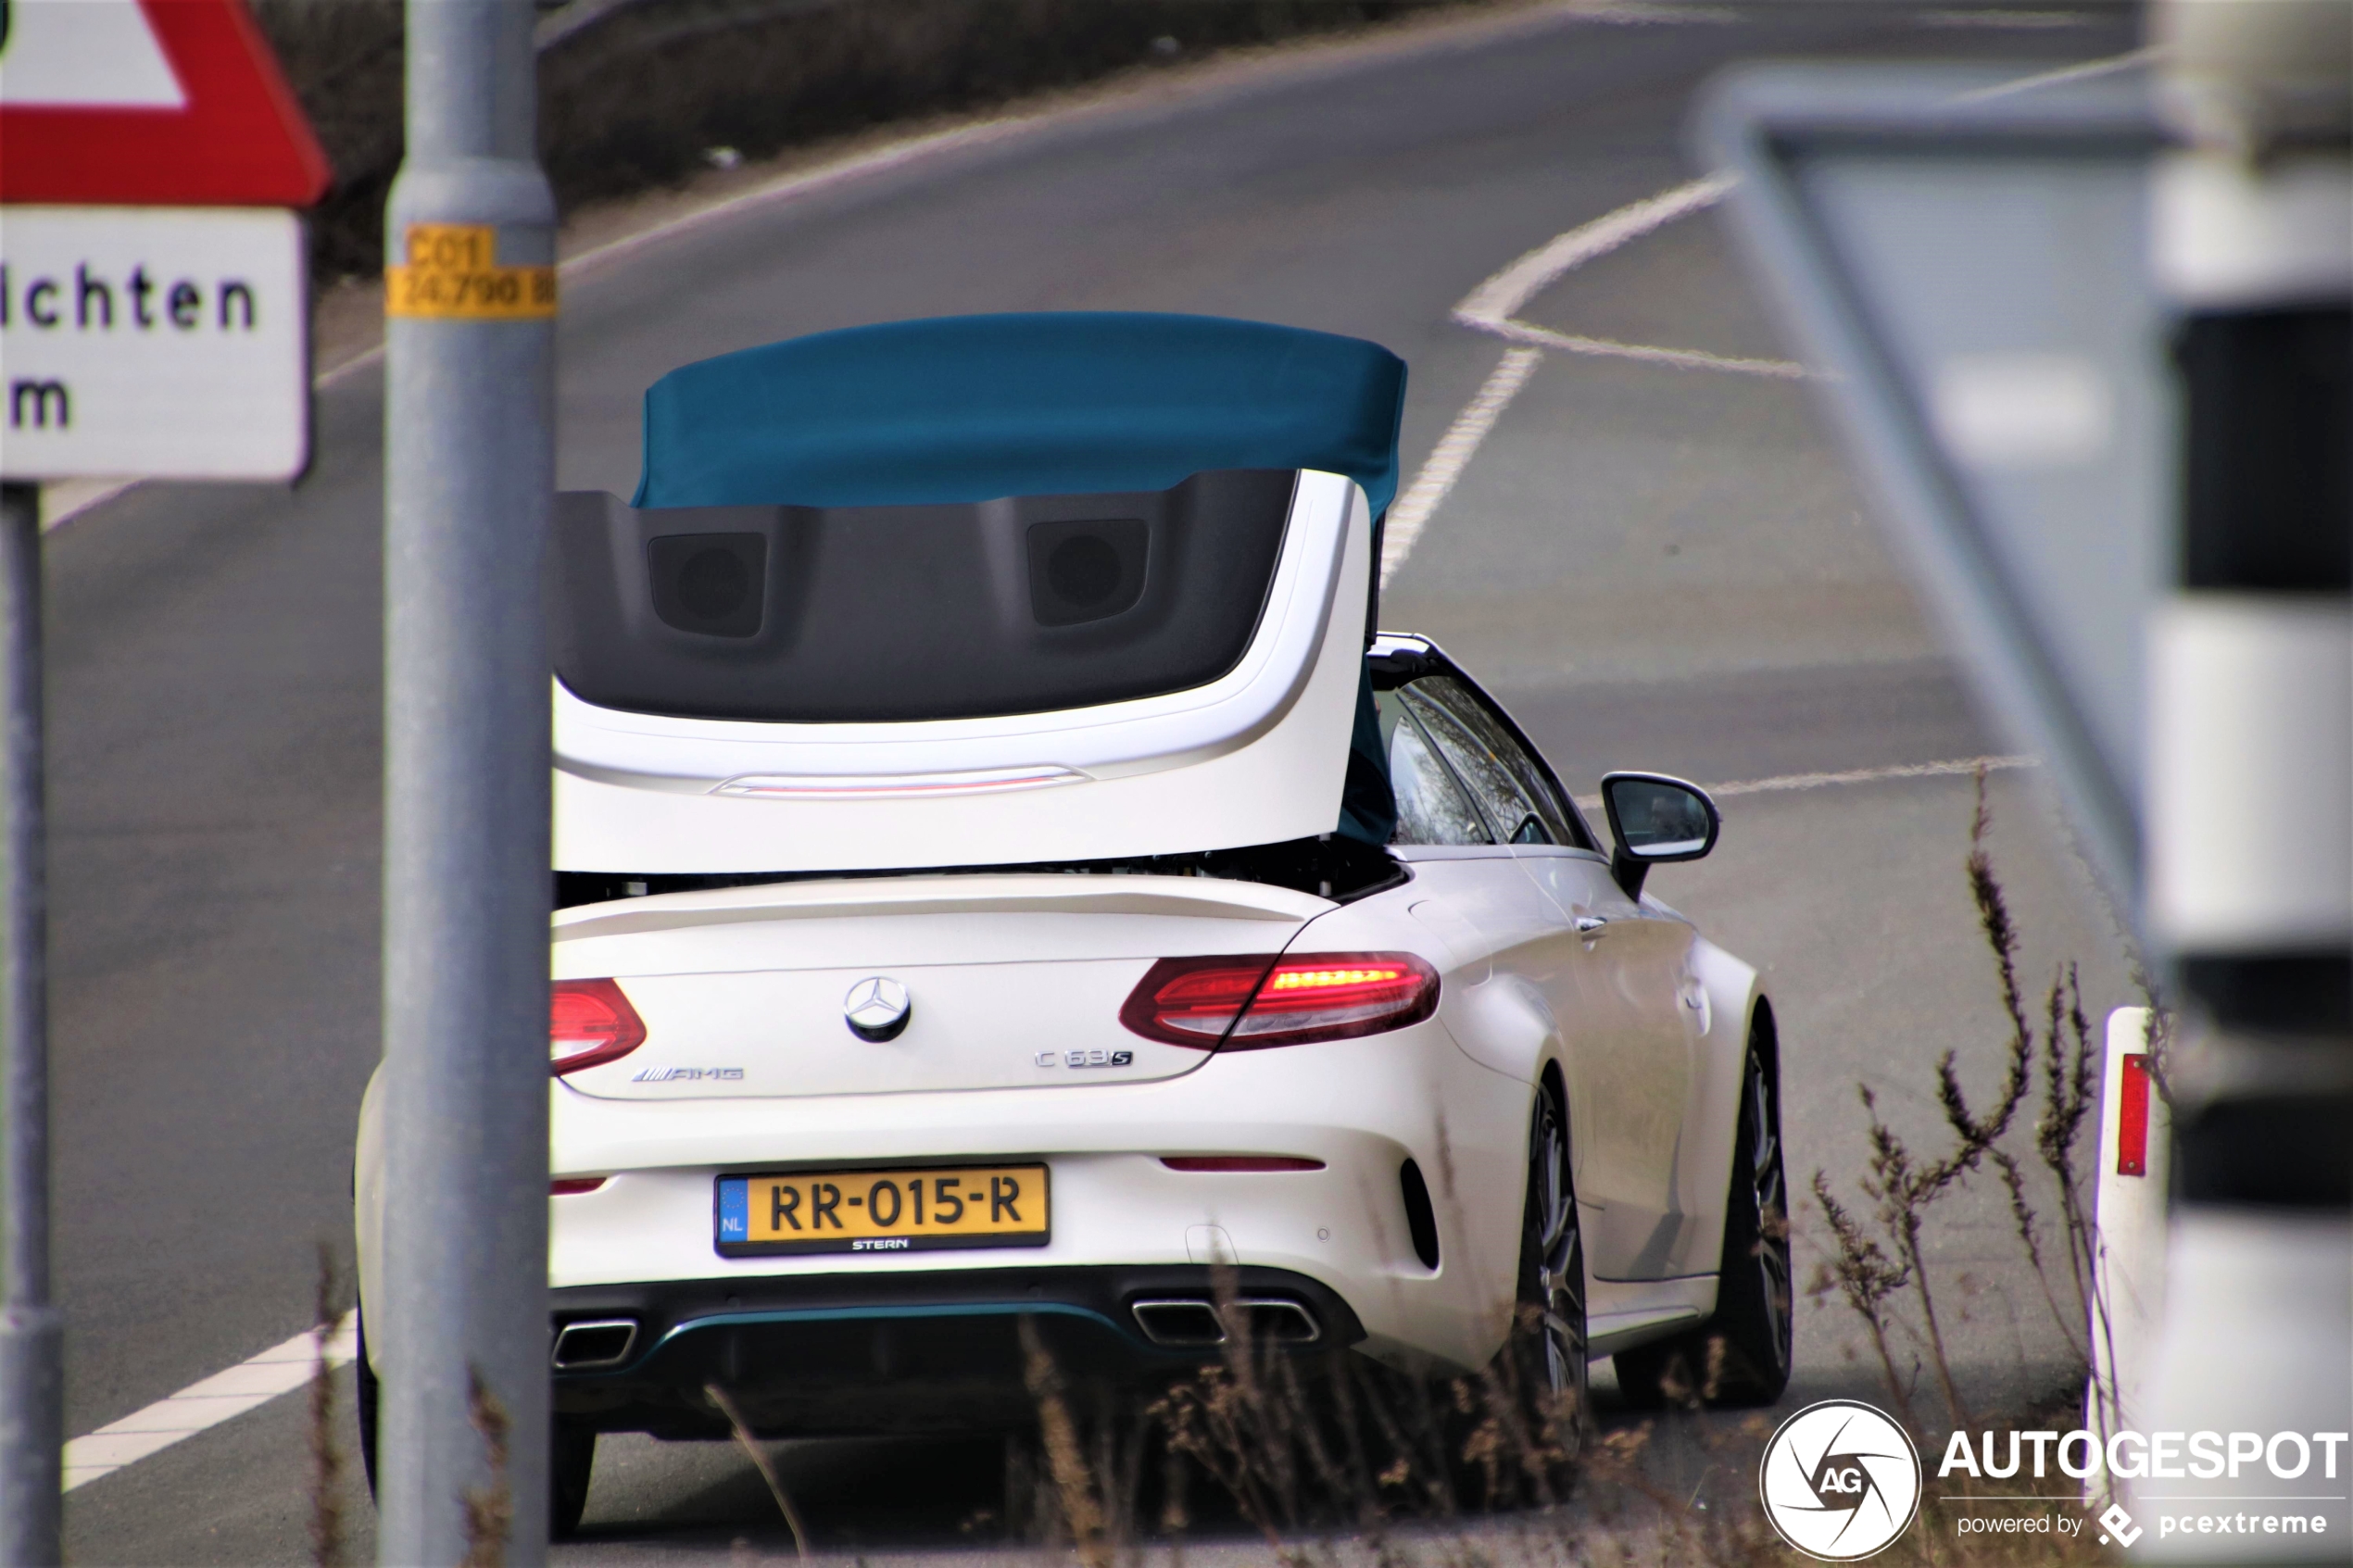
(1086, 1058)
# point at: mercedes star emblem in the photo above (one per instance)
(877, 1008)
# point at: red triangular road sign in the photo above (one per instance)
(148, 103)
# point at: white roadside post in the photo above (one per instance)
(469, 471)
(2129, 1188)
(154, 321)
(2250, 783)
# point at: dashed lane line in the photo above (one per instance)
(201, 1406)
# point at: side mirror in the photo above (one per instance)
(1654, 819)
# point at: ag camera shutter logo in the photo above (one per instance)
(1840, 1481)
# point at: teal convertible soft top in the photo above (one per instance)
(974, 408)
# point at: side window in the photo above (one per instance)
(1432, 808)
(1506, 805)
(1534, 781)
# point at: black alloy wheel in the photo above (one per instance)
(1549, 1340)
(571, 1451)
(1753, 1300)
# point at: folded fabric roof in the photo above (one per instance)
(974, 408)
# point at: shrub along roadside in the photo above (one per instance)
(639, 98)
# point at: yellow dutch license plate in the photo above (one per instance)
(881, 1210)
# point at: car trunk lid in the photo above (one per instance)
(1012, 980)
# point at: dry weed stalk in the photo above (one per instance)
(761, 1463)
(1066, 1461)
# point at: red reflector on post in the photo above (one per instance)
(2133, 1118)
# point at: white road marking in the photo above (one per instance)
(1492, 308)
(1679, 359)
(1853, 776)
(1449, 457)
(2006, 21)
(1494, 305)
(2084, 72)
(1500, 297)
(252, 1383)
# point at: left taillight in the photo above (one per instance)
(1287, 1001)
(589, 1023)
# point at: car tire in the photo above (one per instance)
(1542, 1369)
(1753, 1300)
(571, 1451)
(572, 1456)
(367, 1400)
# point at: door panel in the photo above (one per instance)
(1619, 984)
(1631, 1063)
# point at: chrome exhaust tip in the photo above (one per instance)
(1194, 1322)
(592, 1343)
(1179, 1325)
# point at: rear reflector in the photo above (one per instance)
(1238, 1163)
(2133, 1118)
(1249, 1003)
(567, 1186)
(589, 1023)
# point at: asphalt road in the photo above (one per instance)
(1654, 568)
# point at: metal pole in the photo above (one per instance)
(469, 468)
(32, 1335)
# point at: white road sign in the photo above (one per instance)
(167, 341)
(1968, 262)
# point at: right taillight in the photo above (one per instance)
(1252, 1003)
(589, 1023)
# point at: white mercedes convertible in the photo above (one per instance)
(1004, 875)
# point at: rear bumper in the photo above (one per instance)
(1360, 1108)
(934, 1351)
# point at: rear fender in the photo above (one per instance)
(366, 1206)
(1734, 991)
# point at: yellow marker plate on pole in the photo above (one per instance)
(451, 272)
